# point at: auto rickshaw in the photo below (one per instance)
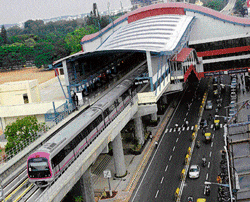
(217, 124)
(201, 200)
(208, 137)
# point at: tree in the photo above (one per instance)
(73, 39)
(215, 4)
(20, 131)
(4, 35)
(43, 53)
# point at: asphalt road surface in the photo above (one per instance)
(162, 174)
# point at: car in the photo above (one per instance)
(232, 103)
(203, 123)
(209, 105)
(232, 113)
(234, 80)
(233, 86)
(194, 171)
(233, 96)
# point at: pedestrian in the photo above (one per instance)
(75, 99)
(150, 136)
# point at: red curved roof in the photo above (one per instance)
(171, 8)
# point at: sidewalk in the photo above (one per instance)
(239, 145)
(135, 165)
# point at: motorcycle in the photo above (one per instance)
(198, 144)
(190, 199)
(204, 161)
(207, 190)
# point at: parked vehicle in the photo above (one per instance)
(207, 137)
(209, 104)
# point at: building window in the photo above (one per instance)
(25, 98)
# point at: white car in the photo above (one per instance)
(194, 171)
(209, 105)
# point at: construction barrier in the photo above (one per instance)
(182, 174)
(187, 159)
(177, 192)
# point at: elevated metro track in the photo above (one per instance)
(14, 171)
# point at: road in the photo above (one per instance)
(162, 174)
(212, 151)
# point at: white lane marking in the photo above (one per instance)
(170, 130)
(162, 179)
(179, 129)
(221, 125)
(147, 169)
(210, 154)
(157, 193)
(174, 130)
(186, 113)
(179, 132)
(177, 139)
(183, 128)
(166, 168)
(212, 144)
(188, 128)
(192, 127)
(184, 119)
(208, 164)
(174, 148)
(213, 136)
(212, 125)
(207, 176)
(170, 158)
(166, 130)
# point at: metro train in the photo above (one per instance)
(45, 164)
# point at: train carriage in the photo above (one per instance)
(54, 156)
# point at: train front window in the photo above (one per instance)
(38, 168)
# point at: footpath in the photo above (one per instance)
(239, 138)
(135, 165)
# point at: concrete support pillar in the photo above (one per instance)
(120, 167)
(154, 116)
(165, 99)
(87, 186)
(139, 132)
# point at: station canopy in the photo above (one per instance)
(160, 33)
(156, 34)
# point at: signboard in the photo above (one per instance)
(235, 71)
(230, 71)
(107, 173)
(206, 74)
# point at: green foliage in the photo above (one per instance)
(4, 35)
(73, 39)
(215, 4)
(78, 198)
(43, 54)
(14, 55)
(43, 43)
(19, 131)
(239, 5)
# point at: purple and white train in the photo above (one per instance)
(57, 153)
